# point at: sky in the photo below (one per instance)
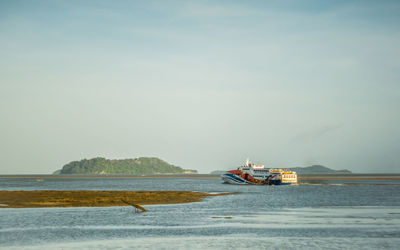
(200, 84)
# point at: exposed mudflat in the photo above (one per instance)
(53, 198)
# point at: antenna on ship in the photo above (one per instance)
(247, 161)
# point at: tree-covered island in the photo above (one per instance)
(137, 166)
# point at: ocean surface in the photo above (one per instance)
(351, 214)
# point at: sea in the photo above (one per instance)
(326, 214)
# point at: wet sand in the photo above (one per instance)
(51, 198)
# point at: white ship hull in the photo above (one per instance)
(234, 179)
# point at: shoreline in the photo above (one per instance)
(55, 198)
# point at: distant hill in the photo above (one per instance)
(57, 171)
(217, 172)
(142, 165)
(314, 169)
(318, 169)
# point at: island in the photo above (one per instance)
(318, 169)
(136, 166)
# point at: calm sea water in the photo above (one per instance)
(355, 214)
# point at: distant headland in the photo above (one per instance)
(137, 166)
(319, 169)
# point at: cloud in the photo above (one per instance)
(198, 10)
(315, 134)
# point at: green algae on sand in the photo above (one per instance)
(54, 198)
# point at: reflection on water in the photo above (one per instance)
(301, 216)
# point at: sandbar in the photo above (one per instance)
(55, 198)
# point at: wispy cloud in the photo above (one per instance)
(199, 10)
(315, 134)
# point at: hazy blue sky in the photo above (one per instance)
(200, 84)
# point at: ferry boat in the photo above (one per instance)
(254, 174)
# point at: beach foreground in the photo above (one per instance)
(53, 198)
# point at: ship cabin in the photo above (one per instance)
(286, 176)
(244, 168)
(259, 172)
(289, 177)
(247, 166)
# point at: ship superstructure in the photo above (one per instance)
(250, 173)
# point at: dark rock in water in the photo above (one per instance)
(142, 165)
(138, 208)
